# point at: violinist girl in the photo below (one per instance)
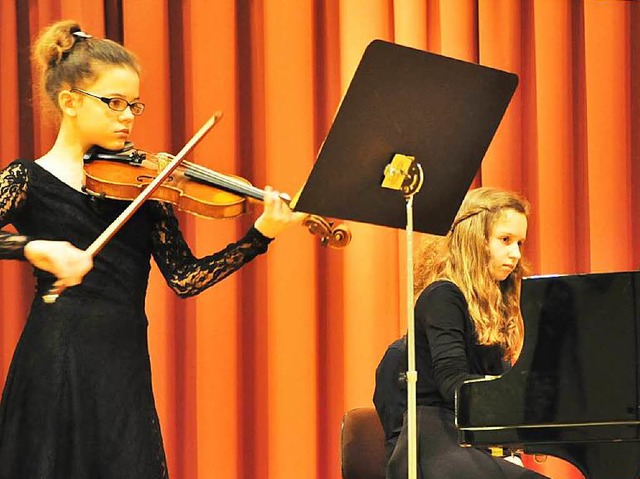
(468, 325)
(77, 402)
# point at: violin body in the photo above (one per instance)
(124, 180)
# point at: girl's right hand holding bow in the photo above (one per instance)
(60, 258)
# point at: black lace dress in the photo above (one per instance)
(77, 402)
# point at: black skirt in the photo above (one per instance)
(440, 456)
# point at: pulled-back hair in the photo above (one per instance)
(463, 257)
(68, 58)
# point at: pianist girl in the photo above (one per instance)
(468, 325)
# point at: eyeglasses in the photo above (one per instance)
(116, 104)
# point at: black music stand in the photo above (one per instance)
(440, 112)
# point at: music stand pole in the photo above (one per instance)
(404, 174)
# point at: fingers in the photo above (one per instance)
(60, 258)
(69, 275)
(72, 265)
(79, 265)
(71, 268)
(277, 216)
(54, 292)
(274, 205)
(272, 201)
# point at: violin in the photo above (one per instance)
(190, 187)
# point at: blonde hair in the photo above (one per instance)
(463, 257)
(67, 57)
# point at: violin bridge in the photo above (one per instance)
(163, 160)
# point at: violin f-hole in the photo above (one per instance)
(142, 178)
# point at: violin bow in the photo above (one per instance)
(144, 195)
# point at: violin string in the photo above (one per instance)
(224, 181)
(205, 174)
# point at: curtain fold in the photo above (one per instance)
(253, 376)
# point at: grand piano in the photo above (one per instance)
(574, 392)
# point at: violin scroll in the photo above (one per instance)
(334, 237)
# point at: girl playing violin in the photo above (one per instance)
(77, 401)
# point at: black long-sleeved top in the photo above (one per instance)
(446, 349)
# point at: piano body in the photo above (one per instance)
(574, 391)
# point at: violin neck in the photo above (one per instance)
(213, 178)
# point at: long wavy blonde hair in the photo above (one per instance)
(463, 257)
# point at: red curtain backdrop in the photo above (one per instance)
(253, 376)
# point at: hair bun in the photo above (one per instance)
(55, 42)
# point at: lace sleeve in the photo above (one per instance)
(188, 275)
(13, 193)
